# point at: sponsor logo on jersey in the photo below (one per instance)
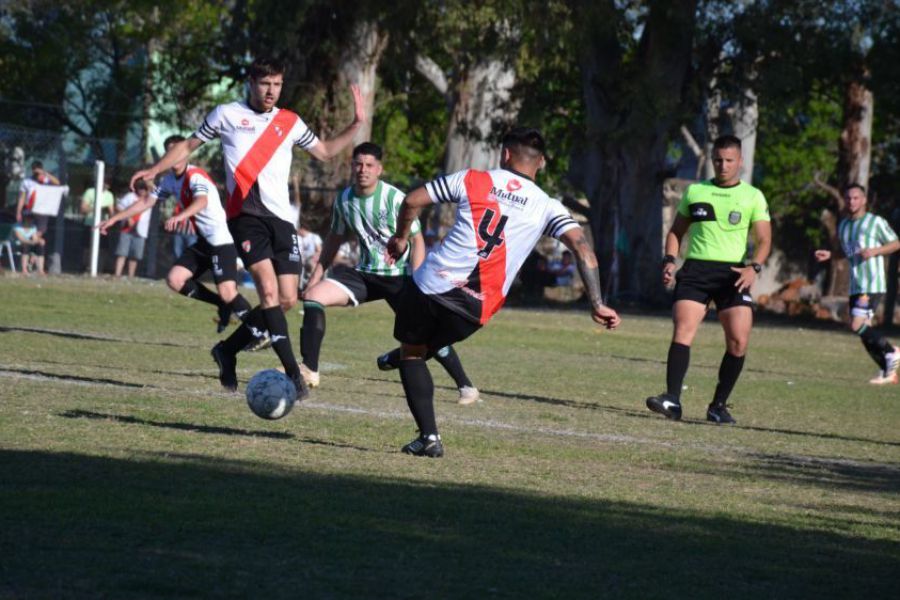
(461, 284)
(508, 198)
(699, 212)
(513, 185)
(246, 126)
(246, 246)
(734, 217)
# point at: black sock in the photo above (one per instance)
(252, 328)
(676, 368)
(240, 307)
(312, 333)
(196, 290)
(419, 389)
(729, 371)
(876, 345)
(277, 325)
(449, 359)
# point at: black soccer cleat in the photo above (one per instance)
(227, 364)
(301, 387)
(718, 414)
(425, 445)
(384, 362)
(666, 405)
(224, 319)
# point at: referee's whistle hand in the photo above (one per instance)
(747, 278)
(668, 274)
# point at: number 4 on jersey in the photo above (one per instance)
(492, 239)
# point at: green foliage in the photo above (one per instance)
(798, 143)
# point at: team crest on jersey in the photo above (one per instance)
(513, 185)
(279, 131)
(734, 217)
(246, 246)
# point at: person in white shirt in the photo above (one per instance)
(134, 214)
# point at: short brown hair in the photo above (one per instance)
(264, 67)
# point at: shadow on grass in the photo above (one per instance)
(74, 378)
(828, 473)
(86, 336)
(86, 414)
(88, 527)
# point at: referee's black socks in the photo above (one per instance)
(419, 389)
(729, 371)
(312, 333)
(676, 367)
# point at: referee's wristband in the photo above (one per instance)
(668, 259)
(756, 267)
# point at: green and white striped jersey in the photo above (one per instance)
(374, 220)
(867, 276)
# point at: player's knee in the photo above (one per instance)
(227, 291)
(737, 347)
(175, 282)
(288, 303)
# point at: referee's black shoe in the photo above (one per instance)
(718, 414)
(227, 365)
(666, 405)
(425, 445)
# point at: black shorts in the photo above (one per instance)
(705, 280)
(864, 305)
(261, 238)
(367, 287)
(202, 257)
(421, 320)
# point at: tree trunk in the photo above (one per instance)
(744, 121)
(359, 64)
(623, 169)
(855, 145)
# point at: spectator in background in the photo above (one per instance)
(310, 248)
(347, 254)
(32, 243)
(107, 204)
(565, 270)
(133, 234)
(28, 194)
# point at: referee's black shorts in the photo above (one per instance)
(706, 281)
(423, 321)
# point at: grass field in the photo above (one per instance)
(125, 472)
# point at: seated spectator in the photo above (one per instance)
(31, 243)
(564, 270)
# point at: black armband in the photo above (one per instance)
(668, 259)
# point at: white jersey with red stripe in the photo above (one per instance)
(29, 187)
(210, 221)
(500, 217)
(258, 151)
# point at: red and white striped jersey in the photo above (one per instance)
(210, 221)
(499, 218)
(257, 148)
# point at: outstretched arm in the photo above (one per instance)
(326, 150)
(590, 274)
(136, 208)
(196, 206)
(177, 153)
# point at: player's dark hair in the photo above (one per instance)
(173, 139)
(37, 164)
(369, 149)
(525, 141)
(264, 67)
(857, 186)
(727, 141)
(140, 185)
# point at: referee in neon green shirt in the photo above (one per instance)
(718, 215)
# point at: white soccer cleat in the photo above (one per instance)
(310, 377)
(884, 378)
(469, 395)
(892, 360)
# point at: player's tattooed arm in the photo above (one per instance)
(587, 264)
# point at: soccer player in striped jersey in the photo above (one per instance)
(197, 202)
(500, 216)
(367, 209)
(257, 143)
(865, 240)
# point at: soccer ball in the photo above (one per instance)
(271, 394)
